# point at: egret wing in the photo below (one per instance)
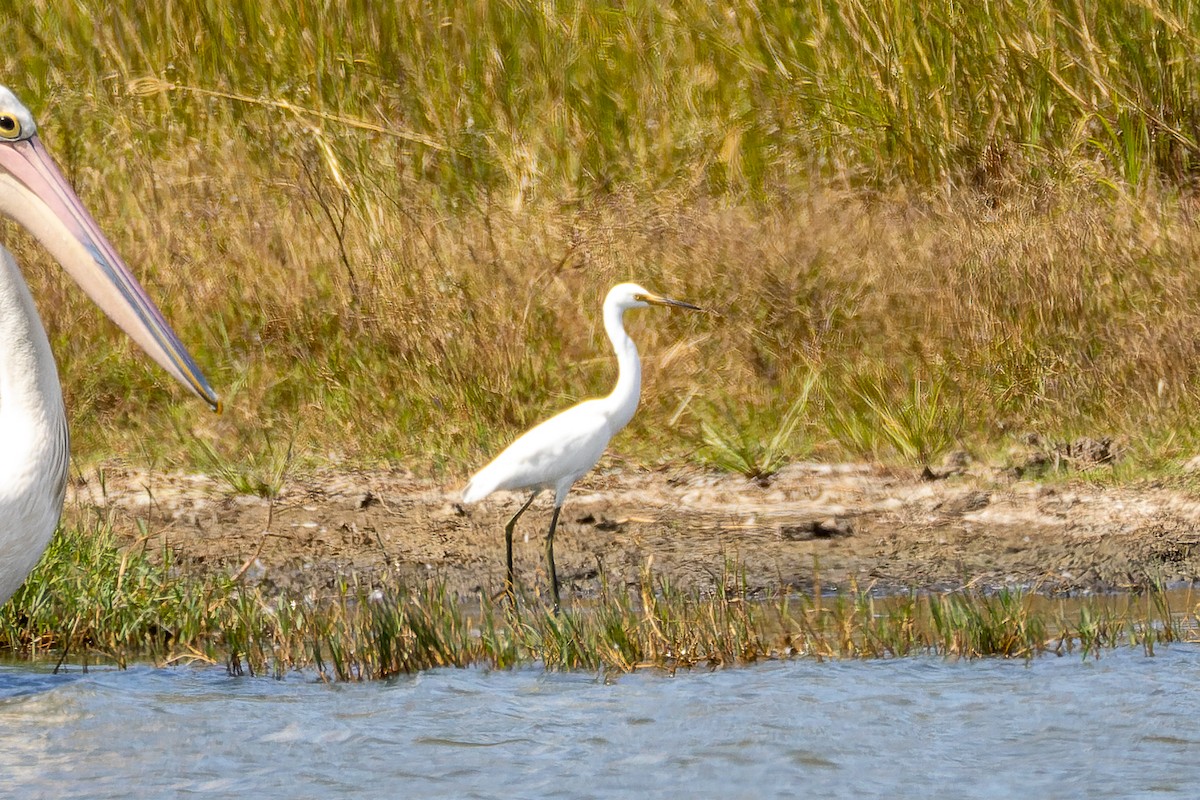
(560, 449)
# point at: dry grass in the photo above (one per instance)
(929, 326)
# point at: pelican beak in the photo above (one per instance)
(50, 209)
(659, 300)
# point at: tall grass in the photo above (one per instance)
(535, 100)
(386, 229)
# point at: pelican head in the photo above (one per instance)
(35, 194)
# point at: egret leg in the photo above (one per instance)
(508, 532)
(550, 557)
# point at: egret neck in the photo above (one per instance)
(622, 402)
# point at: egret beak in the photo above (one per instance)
(50, 209)
(659, 300)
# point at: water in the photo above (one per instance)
(1123, 726)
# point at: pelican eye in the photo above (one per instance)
(10, 128)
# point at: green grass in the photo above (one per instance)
(92, 602)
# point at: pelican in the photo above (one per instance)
(559, 451)
(33, 421)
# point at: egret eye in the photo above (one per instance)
(10, 128)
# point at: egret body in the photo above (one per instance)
(559, 451)
(34, 450)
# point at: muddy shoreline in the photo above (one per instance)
(839, 524)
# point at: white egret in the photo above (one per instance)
(33, 420)
(559, 451)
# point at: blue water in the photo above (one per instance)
(1124, 726)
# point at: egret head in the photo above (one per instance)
(630, 295)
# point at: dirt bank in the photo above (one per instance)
(875, 526)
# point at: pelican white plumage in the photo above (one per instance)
(33, 421)
(559, 451)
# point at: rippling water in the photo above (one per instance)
(1123, 726)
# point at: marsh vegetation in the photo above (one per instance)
(385, 231)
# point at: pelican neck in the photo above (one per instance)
(29, 384)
